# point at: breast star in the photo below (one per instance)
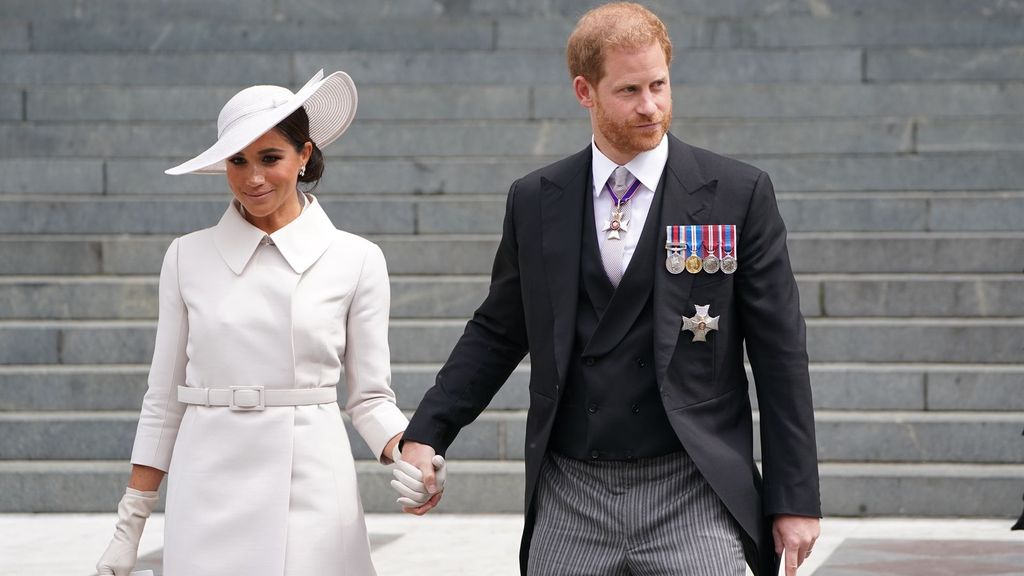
(700, 323)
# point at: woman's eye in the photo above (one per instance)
(270, 159)
(237, 161)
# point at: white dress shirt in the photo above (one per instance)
(647, 167)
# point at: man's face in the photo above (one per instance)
(631, 107)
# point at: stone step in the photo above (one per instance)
(846, 252)
(483, 214)
(418, 67)
(494, 138)
(1002, 171)
(939, 64)
(752, 8)
(376, 102)
(139, 33)
(936, 296)
(953, 437)
(837, 386)
(937, 135)
(329, 11)
(933, 490)
(800, 31)
(225, 10)
(439, 102)
(455, 32)
(915, 340)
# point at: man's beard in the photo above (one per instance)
(624, 138)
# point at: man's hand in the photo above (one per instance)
(429, 467)
(796, 536)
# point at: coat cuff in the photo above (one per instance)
(380, 425)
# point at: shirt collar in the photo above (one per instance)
(647, 167)
(301, 242)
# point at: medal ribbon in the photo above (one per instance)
(709, 238)
(729, 231)
(694, 247)
(674, 236)
(719, 228)
(625, 197)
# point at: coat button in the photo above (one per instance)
(641, 363)
(589, 361)
(636, 409)
(595, 455)
(592, 409)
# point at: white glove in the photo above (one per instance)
(408, 480)
(123, 551)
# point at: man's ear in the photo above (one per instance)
(584, 91)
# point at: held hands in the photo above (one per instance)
(419, 477)
(796, 536)
(123, 551)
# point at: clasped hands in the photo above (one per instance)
(419, 474)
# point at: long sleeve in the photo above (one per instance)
(493, 344)
(776, 339)
(161, 411)
(371, 402)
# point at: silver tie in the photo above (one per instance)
(611, 250)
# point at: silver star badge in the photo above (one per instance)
(615, 225)
(700, 324)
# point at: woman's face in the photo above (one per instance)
(263, 178)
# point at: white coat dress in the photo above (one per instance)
(272, 492)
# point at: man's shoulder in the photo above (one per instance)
(712, 165)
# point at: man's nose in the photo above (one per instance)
(647, 105)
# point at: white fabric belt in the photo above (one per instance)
(245, 398)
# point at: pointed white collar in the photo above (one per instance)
(646, 167)
(302, 241)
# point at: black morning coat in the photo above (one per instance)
(531, 308)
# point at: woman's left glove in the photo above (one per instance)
(408, 480)
(123, 551)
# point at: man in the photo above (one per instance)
(639, 456)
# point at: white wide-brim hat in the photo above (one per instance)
(330, 104)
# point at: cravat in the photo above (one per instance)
(611, 249)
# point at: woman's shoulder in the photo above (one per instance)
(353, 243)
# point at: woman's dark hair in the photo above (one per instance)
(296, 129)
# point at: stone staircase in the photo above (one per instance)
(892, 129)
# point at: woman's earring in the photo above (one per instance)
(302, 171)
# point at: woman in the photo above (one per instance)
(258, 316)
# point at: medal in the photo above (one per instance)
(700, 323)
(712, 243)
(675, 246)
(729, 263)
(693, 262)
(617, 222)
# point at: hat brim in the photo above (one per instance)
(330, 104)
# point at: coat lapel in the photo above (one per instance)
(562, 197)
(688, 199)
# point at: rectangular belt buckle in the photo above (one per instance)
(246, 398)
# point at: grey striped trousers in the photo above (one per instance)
(647, 517)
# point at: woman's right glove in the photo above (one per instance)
(123, 551)
(408, 480)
